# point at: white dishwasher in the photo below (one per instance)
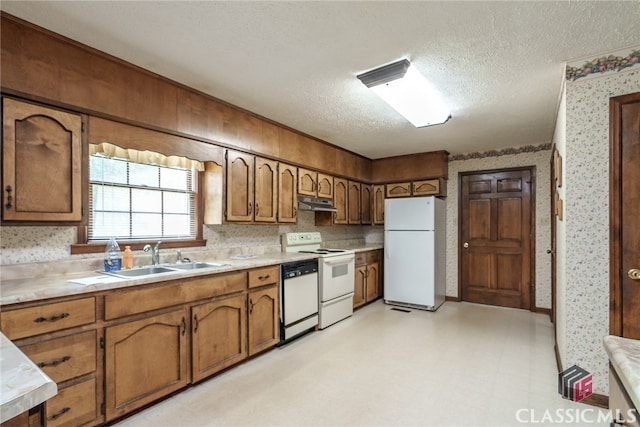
(298, 299)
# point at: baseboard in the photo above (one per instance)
(541, 310)
(599, 400)
(453, 299)
(558, 360)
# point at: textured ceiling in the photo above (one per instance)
(498, 65)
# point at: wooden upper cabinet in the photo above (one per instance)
(41, 163)
(399, 189)
(340, 201)
(430, 187)
(266, 190)
(378, 205)
(325, 186)
(307, 182)
(287, 197)
(366, 196)
(354, 202)
(240, 188)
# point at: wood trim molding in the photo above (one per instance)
(452, 299)
(598, 400)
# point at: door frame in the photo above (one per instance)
(532, 229)
(615, 211)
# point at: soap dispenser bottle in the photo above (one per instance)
(112, 256)
(127, 258)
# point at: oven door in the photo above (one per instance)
(336, 276)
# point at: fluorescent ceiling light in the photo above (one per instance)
(402, 87)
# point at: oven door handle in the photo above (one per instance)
(339, 260)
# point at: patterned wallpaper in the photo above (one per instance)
(587, 218)
(538, 156)
(21, 245)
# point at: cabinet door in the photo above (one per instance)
(266, 190)
(144, 361)
(340, 199)
(401, 189)
(354, 202)
(373, 279)
(287, 198)
(41, 163)
(307, 182)
(429, 187)
(219, 331)
(360, 289)
(239, 187)
(325, 186)
(365, 203)
(378, 205)
(264, 331)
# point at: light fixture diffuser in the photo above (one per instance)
(402, 87)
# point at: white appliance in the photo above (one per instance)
(414, 252)
(298, 299)
(336, 275)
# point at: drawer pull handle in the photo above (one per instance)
(52, 318)
(59, 413)
(54, 363)
(264, 277)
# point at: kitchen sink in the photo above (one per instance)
(196, 265)
(138, 272)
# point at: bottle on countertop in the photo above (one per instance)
(127, 258)
(112, 257)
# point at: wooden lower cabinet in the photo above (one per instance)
(219, 331)
(145, 360)
(264, 331)
(368, 286)
(73, 406)
(34, 417)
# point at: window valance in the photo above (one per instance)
(145, 157)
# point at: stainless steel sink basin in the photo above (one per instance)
(196, 265)
(144, 271)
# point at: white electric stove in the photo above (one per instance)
(336, 275)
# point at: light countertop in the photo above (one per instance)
(624, 355)
(63, 285)
(22, 384)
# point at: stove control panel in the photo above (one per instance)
(299, 239)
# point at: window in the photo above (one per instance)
(136, 201)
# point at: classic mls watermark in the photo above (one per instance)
(575, 383)
(578, 416)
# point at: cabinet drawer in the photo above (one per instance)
(75, 405)
(128, 303)
(65, 358)
(361, 258)
(264, 276)
(373, 257)
(31, 321)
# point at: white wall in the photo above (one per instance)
(539, 159)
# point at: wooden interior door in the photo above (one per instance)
(495, 244)
(625, 216)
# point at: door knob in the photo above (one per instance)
(634, 274)
(466, 245)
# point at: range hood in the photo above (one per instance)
(315, 204)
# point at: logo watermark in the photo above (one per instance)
(575, 383)
(579, 416)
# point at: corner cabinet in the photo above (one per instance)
(41, 163)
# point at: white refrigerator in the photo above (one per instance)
(414, 252)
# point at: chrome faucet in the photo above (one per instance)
(155, 252)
